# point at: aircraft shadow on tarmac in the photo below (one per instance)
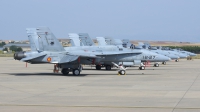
(71, 75)
(147, 68)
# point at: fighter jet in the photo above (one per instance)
(130, 60)
(45, 48)
(172, 55)
(181, 55)
(180, 51)
(185, 52)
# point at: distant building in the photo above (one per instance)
(25, 47)
(9, 41)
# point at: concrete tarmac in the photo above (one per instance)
(174, 87)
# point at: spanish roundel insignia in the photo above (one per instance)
(49, 59)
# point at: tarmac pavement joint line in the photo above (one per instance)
(185, 93)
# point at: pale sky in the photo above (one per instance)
(158, 20)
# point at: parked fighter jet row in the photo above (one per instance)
(109, 52)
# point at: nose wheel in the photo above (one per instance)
(122, 72)
(164, 63)
(141, 68)
(156, 65)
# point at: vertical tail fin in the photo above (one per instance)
(101, 41)
(74, 39)
(42, 39)
(111, 41)
(32, 36)
(127, 43)
(85, 39)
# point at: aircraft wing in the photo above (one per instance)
(115, 53)
(84, 54)
(97, 54)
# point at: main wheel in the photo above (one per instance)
(65, 71)
(164, 63)
(122, 72)
(108, 67)
(76, 72)
(98, 67)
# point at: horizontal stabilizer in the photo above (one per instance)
(33, 57)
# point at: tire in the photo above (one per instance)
(65, 71)
(98, 67)
(142, 67)
(177, 60)
(122, 72)
(108, 67)
(76, 72)
(156, 65)
(164, 63)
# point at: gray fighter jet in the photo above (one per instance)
(135, 60)
(45, 48)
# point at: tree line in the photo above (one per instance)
(2, 44)
(13, 48)
(193, 49)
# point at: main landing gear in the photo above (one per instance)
(164, 63)
(75, 71)
(98, 67)
(108, 67)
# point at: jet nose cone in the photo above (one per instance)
(193, 54)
